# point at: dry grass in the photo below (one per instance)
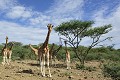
(29, 70)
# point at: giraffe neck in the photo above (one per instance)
(57, 50)
(33, 48)
(6, 43)
(45, 44)
(11, 47)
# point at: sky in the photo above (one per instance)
(26, 20)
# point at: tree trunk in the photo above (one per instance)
(82, 62)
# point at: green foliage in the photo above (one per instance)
(94, 56)
(112, 70)
(61, 54)
(73, 24)
(93, 32)
(103, 53)
(73, 28)
(25, 52)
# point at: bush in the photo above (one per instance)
(112, 70)
(22, 52)
(94, 56)
(88, 68)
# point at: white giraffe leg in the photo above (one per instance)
(6, 59)
(68, 64)
(43, 64)
(48, 64)
(9, 57)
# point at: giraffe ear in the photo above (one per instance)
(48, 25)
(52, 26)
(6, 37)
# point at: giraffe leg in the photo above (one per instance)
(37, 60)
(55, 61)
(9, 58)
(68, 64)
(51, 61)
(43, 65)
(48, 64)
(4, 57)
(3, 62)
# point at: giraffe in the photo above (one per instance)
(54, 53)
(7, 52)
(4, 52)
(43, 52)
(67, 56)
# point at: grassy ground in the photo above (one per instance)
(30, 70)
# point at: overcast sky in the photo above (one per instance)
(26, 20)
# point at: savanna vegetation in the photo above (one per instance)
(74, 32)
(109, 57)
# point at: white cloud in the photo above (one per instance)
(40, 20)
(20, 33)
(66, 6)
(6, 4)
(64, 10)
(19, 12)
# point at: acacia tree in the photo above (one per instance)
(76, 31)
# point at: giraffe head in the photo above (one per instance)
(6, 38)
(50, 26)
(65, 42)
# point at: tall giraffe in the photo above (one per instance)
(67, 56)
(4, 52)
(44, 51)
